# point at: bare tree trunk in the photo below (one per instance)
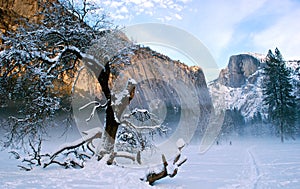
(112, 125)
(113, 110)
(111, 129)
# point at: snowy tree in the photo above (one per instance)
(256, 124)
(39, 68)
(233, 122)
(38, 65)
(278, 94)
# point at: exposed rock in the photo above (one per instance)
(160, 79)
(239, 68)
(240, 85)
(13, 11)
(24, 8)
(172, 83)
(165, 88)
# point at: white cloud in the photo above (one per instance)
(150, 13)
(115, 4)
(178, 16)
(148, 4)
(184, 1)
(123, 10)
(284, 34)
(167, 18)
(137, 2)
(217, 21)
(106, 3)
(120, 16)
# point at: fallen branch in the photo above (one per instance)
(152, 176)
(78, 143)
(125, 155)
(90, 136)
(25, 168)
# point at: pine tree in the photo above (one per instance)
(278, 94)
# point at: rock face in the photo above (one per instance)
(176, 93)
(24, 8)
(168, 87)
(173, 91)
(239, 68)
(11, 11)
(14, 13)
(240, 85)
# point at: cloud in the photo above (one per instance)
(156, 9)
(148, 4)
(184, 1)
(225, 27)
(216, 21)
(123, 10)
(284, 34)
(115, 4)
(178, 16)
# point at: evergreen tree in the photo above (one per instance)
(278, 94)
(233, 122)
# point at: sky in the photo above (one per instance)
(224, 27)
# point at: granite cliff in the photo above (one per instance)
(14, 12)
(240, 85)
(239, 69)
(166, 83)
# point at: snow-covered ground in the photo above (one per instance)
(247, 163)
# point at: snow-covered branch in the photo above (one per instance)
(165, 172)
(146, 127)
(97, 105)
(143, 115)
(125, 155)
(89, 136)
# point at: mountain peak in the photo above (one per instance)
(239, 68)
(240, 84)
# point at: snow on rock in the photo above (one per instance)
(119, 97)
(132, 81)
(248, 97)
(259, 56)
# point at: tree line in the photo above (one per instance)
(280, 98)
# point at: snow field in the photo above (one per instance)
(247, 163)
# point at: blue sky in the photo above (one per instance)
(225, 27)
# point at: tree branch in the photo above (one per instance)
(78, 143)
(98, 105)
(152, 177)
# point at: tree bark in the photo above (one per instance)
(111, 126)
(114, 110)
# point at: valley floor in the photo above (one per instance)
(247, 163)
